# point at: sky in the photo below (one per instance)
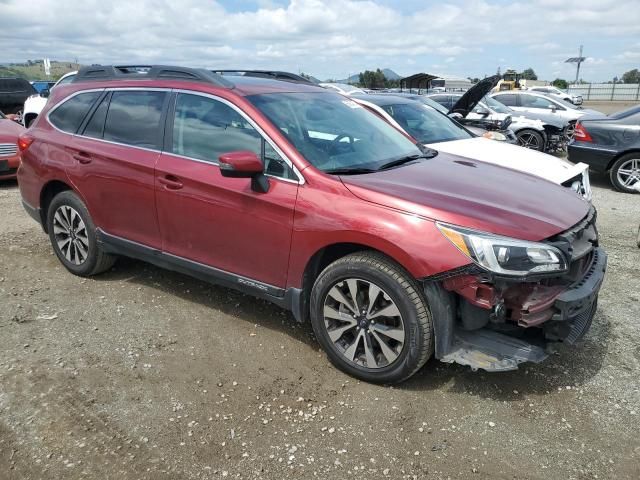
(331, 38)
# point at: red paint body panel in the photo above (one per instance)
(475, 195)
(221, 222)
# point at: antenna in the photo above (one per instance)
(577, 60)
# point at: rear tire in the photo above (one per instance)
(386, 335)
(73, 236)
(530, 139)
(625, 173)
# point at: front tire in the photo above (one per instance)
(530, 139)
(73, 236)
(371, 318)
(625, 173)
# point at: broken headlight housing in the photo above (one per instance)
(504, 255)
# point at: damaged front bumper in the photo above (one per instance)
(495, 324)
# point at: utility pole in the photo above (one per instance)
(577, 60)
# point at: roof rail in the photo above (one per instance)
(148, 72)
(273, 74)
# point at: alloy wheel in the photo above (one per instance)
(529, 140)
(70, 235)
(629, 172)
(364, 323)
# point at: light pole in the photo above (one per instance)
(577, 60)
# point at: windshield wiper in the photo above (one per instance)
(428, 153)
(349, 171)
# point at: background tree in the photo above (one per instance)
(528, 74)
(560, 83)
(632, 76)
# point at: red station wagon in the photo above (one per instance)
(288, 191)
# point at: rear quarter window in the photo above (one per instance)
(69, 115)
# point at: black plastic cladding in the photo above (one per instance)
(150, 72)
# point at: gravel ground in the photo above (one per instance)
(142, 373)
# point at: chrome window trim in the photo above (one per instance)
(300, 181)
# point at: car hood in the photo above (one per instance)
(471, 97)
(10, 131)
(554, 169)
(475, 195)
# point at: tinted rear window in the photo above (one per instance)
(508, 100)
(134, 118)
(68, 116)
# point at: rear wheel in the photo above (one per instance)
(530, 139)
(625, 173)
(73, 236)
(371, 318)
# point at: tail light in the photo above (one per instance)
(24, 142)
(580, 133)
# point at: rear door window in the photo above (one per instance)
(69, 115)
(508, 99)
(532, 101)
(135, 118)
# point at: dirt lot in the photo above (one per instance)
(145, 374)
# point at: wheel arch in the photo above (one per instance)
(48, 192)
(322, 258)
(619, 155)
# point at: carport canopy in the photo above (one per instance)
(417, 80)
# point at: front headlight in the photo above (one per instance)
(495, 136)
(504, 255)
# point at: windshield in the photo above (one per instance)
(433, 104)
(495, 105)
(566, 104)
(426, 124)
(333, 132)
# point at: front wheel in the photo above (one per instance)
(73, 236)
(530, 139)
(625, 173)
(371, 318)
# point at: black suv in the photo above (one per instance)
(13, 93)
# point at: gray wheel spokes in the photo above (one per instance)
(394, 333)
(629, 172)
(350, 352)
(70, 235)
(339, 296)
(364, 323)
(389, 311)
(389, 354)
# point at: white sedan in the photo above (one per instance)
(35, 103)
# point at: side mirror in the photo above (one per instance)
(45, 93)
(456, 116)
(244, 164)
(483, 112)
(553, 108)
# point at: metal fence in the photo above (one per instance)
(607, 91)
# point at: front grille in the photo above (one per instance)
(8, 149)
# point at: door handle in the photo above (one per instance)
(170, 182)
(82, 158)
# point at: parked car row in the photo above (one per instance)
(349, 211)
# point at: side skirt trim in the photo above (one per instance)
(286, 298)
